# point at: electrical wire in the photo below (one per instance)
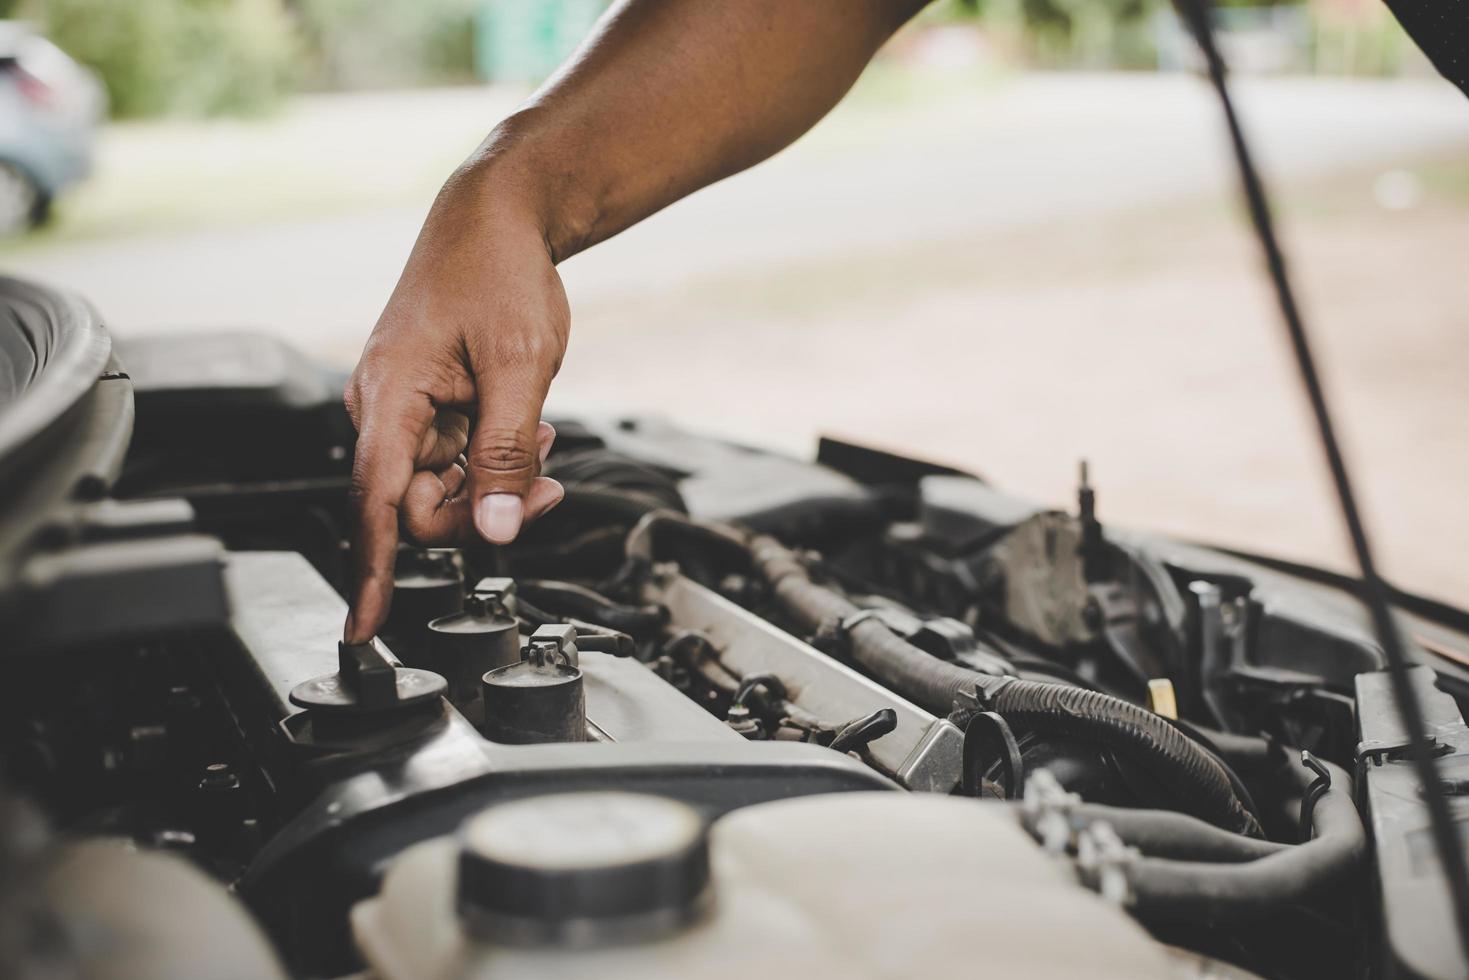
(1447, 842)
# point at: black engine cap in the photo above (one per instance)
(582, 869)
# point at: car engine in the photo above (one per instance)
(725, 713)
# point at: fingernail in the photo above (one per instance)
(498, 517)
(546, 446)
(349, 631)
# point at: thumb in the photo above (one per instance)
(504, 458)
(502, 464)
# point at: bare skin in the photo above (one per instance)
(666, 97)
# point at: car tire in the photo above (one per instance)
(41, 212)
(23, 204)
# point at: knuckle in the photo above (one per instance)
(416, 514)
(418, 526)
(359, 492)
(502, 453)
(352, 399)
(441, 444)
(363, 494)
(427, 519)
(531, 348)
(453, 428)
(449, 450)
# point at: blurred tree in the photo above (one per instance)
(385, 43)
(1106, 33)
(1069, 33)
(188, 57)
(525, 40)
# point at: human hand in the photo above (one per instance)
(447, 395)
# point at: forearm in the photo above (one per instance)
(667, 97)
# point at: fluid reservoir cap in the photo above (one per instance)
(470, 622)
(528, 674)
(487, 609)
(582, 869)
(427, 583)
(368, 680)
(480, 639)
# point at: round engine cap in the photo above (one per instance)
(582, 869)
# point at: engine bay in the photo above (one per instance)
(931, 725)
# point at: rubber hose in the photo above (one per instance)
(1201, 892)
(1253, 749)
(1249, 753)
(1204, 786)
(1177, 836)
(931, 683)
(625, 507)
(919, 676)
(645, 534)
(584, 603)
(1205, 790)
(615, 473)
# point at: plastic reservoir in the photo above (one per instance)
(845, 885)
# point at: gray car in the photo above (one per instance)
(50, 108)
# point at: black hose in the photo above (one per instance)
(652, 527)
(920, 677)
(594, 504)
(615, 474)
(1204, 787)
(1203, 892)
(1177, 836)
(657, 530)
(1248, 753)
(1210, 741)
(583, 603)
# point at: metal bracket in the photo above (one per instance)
(936, 761)
(551, 641)
(1378, 751)
(492, 595)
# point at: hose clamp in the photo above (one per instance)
(1103, 859)
(1314, 792)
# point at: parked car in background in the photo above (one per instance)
(50, 108)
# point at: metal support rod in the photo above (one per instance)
(1374, 591)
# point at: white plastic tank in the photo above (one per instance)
(848, 885)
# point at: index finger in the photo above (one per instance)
(393, 424)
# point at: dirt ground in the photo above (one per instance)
(1147, 343)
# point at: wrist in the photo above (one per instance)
(521, 171)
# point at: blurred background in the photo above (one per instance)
(1016, 244)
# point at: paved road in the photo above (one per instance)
(1000, 282)
(1037, 149)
